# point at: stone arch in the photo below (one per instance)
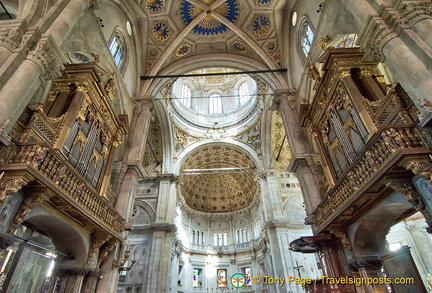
(368, 234)
(242, 63)
(145, 210)
(185, 154)
(31, 10)
(12, 8)
(66, 238)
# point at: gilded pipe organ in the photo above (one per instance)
(366, 134)
(374, 154)
(60, 157)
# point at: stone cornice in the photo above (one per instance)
(48, 56)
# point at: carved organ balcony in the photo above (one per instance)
(64, 149)
(366, 133)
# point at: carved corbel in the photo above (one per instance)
(98, 239)
(48, 56)
(42, 195)
(110, 88)
(106, 249)
(12, 185)
(405, 187)
(342, 235)
(421, 168)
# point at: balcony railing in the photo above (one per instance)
(378, 157)
(51, 169)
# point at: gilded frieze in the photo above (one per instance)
(280, 147)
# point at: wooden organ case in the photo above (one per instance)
(61, 153)
(370, 143)
(366, 134)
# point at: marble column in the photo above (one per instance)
(160, 257)
(63, 24)
(43, 62)
(412, 20)
(400, 264)
(302, 159)
(36, 58)
(380, 40)
(132, 169)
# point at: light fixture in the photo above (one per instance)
(294, 18)
(128, 28)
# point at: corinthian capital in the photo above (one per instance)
(48, 56)
(281, 96)
(375, 35)
(12, 32)
(411, 12)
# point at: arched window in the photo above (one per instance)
(306, 35)
(116, 47)
(186, 96)
(244, 93)
(215, 104)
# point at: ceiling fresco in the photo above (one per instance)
(186, 28)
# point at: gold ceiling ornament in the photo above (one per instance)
(218, 179)
(281, 151)
(183, 138)
(152, 160)
(161, 31)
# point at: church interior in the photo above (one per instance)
(215, 146)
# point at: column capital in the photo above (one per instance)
(48, 56)
(12, 32)
(282, 95)
(411, 12)
(375, 35)
(142, 103)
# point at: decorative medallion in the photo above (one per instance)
(260, 25)
(346, 42)
(80, 57)
(153, 53)
(263, 2)
(239, 47)
(209, 25)
(183, 50)
(155, 5)
(271, 46)
(161, 31)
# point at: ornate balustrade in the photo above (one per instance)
(50, 169)
(379, 157)
(61, 153)
(365, 132)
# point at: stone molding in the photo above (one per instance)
(12, 33)
(375, 36)
(48, 56)
(282, 95)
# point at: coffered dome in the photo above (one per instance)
(218, 179)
